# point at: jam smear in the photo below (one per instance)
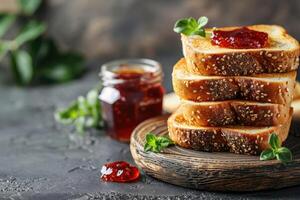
(136, 99)
(119, 171)
(241, 38)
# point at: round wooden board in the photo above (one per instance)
(210, 170)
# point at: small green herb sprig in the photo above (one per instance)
(156, 143)
(191, 26)
(84, 113)
(282, 154)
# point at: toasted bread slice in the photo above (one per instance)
(236, 139)
(223, 113)
(282, 55)
(271, 88)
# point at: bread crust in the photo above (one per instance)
(236, 139)
(234, 113)
(242, 62)
(218, 88)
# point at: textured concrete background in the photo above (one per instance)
(40, 159)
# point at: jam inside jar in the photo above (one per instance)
(132, 93)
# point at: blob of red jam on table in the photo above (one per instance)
(119, 171)
(132, 92)
(240, 38)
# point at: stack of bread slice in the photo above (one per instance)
(233, 99)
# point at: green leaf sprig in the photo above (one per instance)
(191, 26)
(156, 143)
(84, 113)
(282, 154)
(35, 58)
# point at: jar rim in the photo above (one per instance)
(109, 76)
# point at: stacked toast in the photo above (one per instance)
(233, 99)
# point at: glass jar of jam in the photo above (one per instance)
(132, 92)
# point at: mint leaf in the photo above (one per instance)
(190, 26)
(151, 139)
(202, 21)
(147, 147)
(22, 67)
(274, 141)
(164, 141)
(267, 154)
(156, 143)
(199, 32)
(29, 6)
(182, 26)
(284, 155)
(68, 115)
(83, 113)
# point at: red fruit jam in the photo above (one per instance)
(132, 93)
(119, 171)
(241, 38)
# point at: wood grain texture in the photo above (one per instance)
(214, 171)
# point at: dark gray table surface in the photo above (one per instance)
(40, 159)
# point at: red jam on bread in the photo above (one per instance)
(241, 38)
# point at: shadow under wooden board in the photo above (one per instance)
(211, 170)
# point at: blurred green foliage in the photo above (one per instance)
(35, 58)
(85, 112)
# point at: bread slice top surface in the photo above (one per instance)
(180, 72)
(238, 102)
(179, 121)
(279, 40)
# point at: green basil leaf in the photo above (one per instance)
(284, 155)
(83, 105)
(274, 141)
(22, 67)
(30, 31)
(147, 147)
(156, 143)
(193, 24)
(180, 25)
(202, 21)
(186, 26)
(151, 144)
(29, 6)
(68, 115)
(6, 20)
(164, 141)
(190, 26)
(150, 138)
(200, 32)
(267, 154)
